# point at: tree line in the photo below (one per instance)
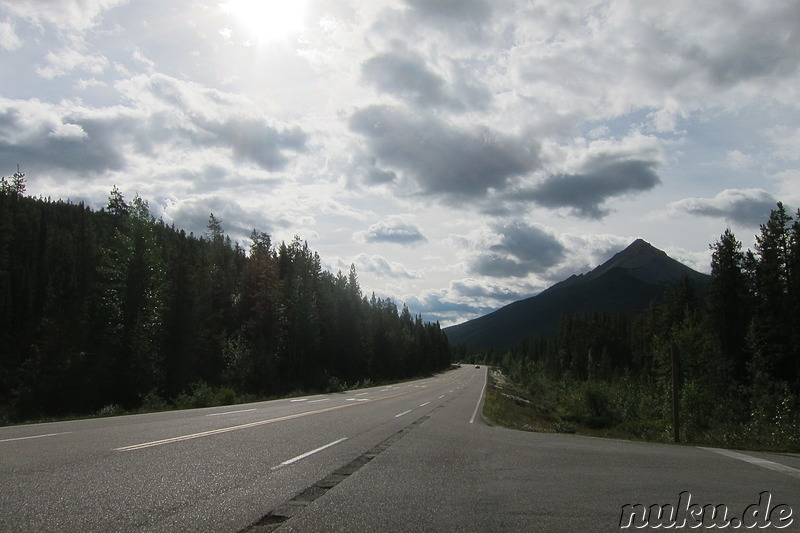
(735, 347)
(114, 308)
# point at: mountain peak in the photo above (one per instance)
(638, 253)
(647, 263)
(626, 283)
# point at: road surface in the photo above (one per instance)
(414, 456)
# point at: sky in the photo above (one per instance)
(462, 154)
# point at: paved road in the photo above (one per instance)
(410, 457)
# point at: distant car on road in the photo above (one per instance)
(477, 366)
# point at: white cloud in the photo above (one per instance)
(381, 267)
(66, 61)
(69, 131)
(8, 37)
(394, 230)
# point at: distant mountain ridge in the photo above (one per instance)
(627, 283)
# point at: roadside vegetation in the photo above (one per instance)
(728, 360)
(609, 410)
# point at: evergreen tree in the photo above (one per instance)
(773, 321)
(729, 301)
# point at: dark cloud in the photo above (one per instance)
(443, 159)
(376, 176)
(587, 192)
(396, 232)
(255, 141)
(747, 207)
(763, 46)
(407, 76)
(80, 145)
(464, 19)
(522, 250)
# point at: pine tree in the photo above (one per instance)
(729, 301)
(117, 205)
(773, 321)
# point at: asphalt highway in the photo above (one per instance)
(413, 456)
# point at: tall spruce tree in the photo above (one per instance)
(729, 301)
(773, 321)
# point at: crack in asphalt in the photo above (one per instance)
(275, 518)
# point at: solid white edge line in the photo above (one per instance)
(36, 436)
(763, 463)
(480, 398)
(308, 454)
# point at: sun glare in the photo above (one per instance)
(267, 20)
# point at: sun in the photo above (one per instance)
(267, 20)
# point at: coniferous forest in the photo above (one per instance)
(107, 310)
(728, 359)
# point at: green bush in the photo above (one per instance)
(152, 402)
(200, 395)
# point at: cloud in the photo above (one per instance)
(67, 60)
(256, 141)
(521, 249)
(786, 141)
(587, 191)
(407, 76)
(8, 37)
(383, 268)
(63, 14)
(439, 305)
(394, 231)
(213, 118)
(463, 19)
(238, 216)
(377, 176)
(481, 290)
(465, 299)
(44, 136)
(443, 159)
(586, 252)
(760, 47)
(164, 116)
(747, 207)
